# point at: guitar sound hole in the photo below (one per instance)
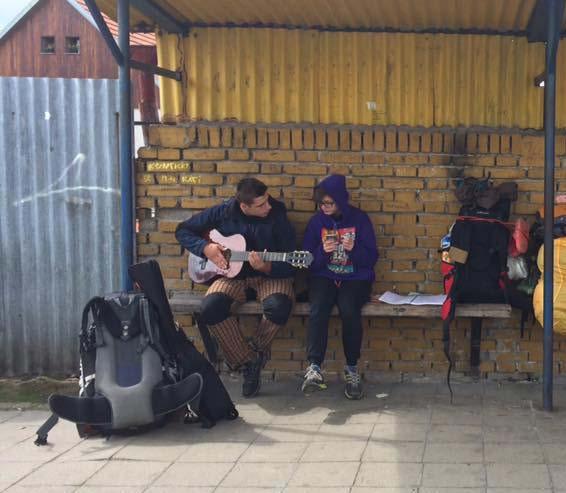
(227, 255)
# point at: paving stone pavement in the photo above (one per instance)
(402, 438)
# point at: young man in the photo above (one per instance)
(263, 222)
(342, 239)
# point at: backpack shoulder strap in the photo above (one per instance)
(448, 311)
(44, 430)
(446, 346)
(46, 427)
(94, 305)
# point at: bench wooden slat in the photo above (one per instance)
(190, 303)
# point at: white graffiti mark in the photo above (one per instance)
(41, 195)
(50, 190)
(77, 161)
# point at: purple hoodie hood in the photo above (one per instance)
(335, 186)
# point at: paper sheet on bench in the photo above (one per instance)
(412, 299)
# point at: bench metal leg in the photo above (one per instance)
(475, 344)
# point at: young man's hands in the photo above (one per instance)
(214, 253)
(258, 263)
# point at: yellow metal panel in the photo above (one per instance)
(175, 104)
(245, 74)
(407, 15)
(279, 75)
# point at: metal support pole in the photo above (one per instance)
(126, 161)
(553, 18)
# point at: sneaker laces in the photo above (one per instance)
(353, 377)
(312, 374)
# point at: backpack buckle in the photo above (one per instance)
(125, 331)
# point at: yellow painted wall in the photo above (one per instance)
(278, 75)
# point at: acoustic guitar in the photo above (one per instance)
(202, 270)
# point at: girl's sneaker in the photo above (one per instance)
(313, 379)
(353, 389)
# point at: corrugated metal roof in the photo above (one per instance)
(281, 75)
(403, 15)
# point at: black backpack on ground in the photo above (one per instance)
(137, 366)
(128, 380)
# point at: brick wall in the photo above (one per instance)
(402, 177)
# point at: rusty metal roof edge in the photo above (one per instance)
(292, 27)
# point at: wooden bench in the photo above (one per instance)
(189, 303)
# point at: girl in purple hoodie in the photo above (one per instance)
(342, 240)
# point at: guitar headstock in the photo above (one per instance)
(299, 259)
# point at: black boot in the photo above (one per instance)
(252, 376)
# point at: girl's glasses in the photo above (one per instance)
(326, 203)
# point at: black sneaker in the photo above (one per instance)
(252, 376)
(313, 379)
(353, 389)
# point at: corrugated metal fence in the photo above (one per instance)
(59, 216)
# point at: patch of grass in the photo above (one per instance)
(34, 391)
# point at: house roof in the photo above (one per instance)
(473, 16)
(136, 39)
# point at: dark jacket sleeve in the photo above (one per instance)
(312, 242)
(285, 239)
(190, 233)
(364, 253)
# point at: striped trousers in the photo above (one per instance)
(276, 297)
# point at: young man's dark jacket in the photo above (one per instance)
(273, 233)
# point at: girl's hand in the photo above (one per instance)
(329, 246)
(348, 242)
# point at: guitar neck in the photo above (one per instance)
(266, 256)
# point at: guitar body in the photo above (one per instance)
(203, 270)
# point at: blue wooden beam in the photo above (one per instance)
(153, 69)
(103, 28)
(162, 18)
(115, 50)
